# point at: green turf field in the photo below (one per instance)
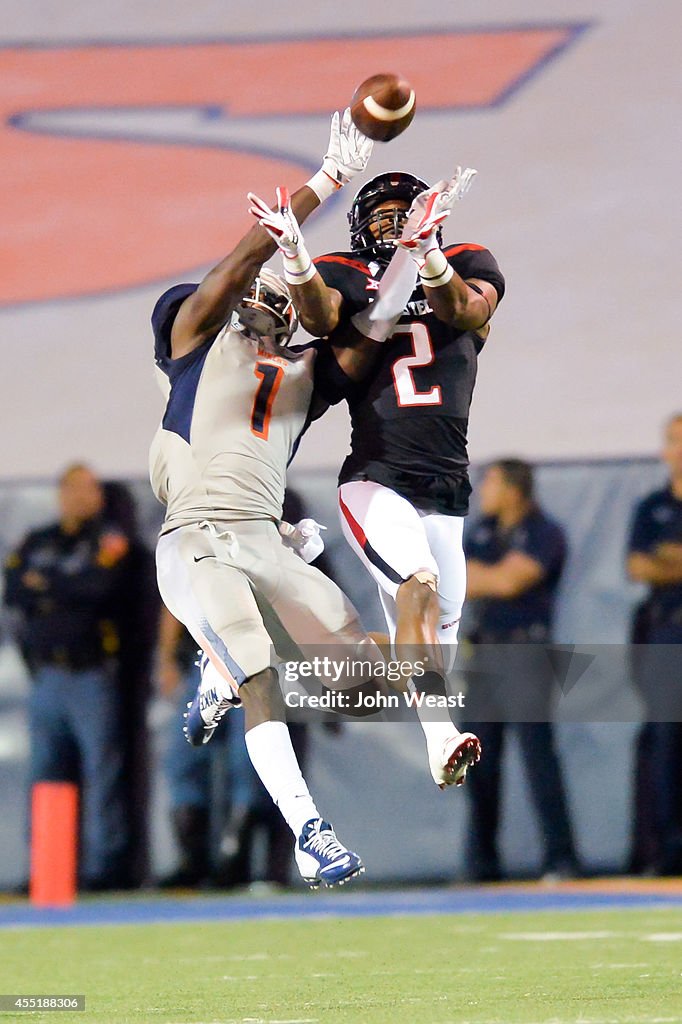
(597, 967)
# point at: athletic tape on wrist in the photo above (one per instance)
(297, 262)
(293, 276)
(435, 270)
(322, 185)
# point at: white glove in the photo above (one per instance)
(430, 209)
(348, 154)
(349, 150)
(304, 538)
(282, 226)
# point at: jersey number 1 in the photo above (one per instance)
(422, 355)
(270, 378)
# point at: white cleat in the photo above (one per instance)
(449, 762)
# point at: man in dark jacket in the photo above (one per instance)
(655, 558)
(515, 554)
(65, 582)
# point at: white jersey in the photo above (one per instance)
(233, 417)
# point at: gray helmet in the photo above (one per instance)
(267, 310)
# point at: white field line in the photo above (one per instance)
(558, 936)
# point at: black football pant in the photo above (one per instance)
(547, 793)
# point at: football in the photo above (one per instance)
(383, 106)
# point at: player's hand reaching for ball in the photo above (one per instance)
(349, 150)
(430, 209)
(420, 233)
(347, 154)
(459, 184)
(280, 223)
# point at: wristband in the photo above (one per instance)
(298, 269)
(435, 270)
(323, 185)
(296, 261)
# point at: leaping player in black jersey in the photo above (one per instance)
(404, 488)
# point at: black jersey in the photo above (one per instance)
(410, 418)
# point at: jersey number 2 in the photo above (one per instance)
(270, 378)
(422, 355)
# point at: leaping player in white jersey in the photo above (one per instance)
(239, 399)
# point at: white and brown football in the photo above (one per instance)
(383, 106)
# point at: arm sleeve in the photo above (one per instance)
(470, 260)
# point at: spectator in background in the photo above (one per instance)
(218, 803)
(187, 769)
(65, 583)
(655, 558)
(136, 620)
(515, 554)
(210, 786)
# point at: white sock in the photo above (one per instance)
(273, 757)
(380, 317)
(435, 732)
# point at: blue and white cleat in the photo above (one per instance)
(214, 697)
(322, 859)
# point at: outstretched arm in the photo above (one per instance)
(206, 310)
(352, 347)
(468, 304)
(317, 305)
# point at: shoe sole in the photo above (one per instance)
(197, 738)
(460, 760)
(318, 883)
